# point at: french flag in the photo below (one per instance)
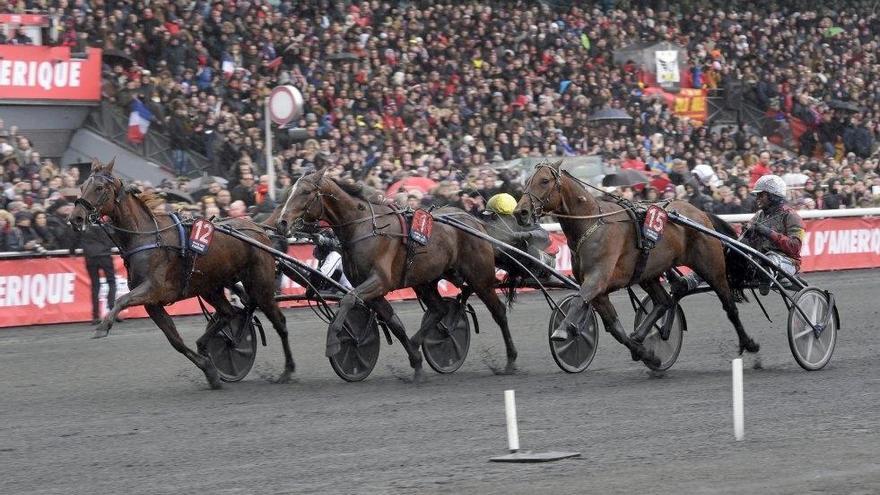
(138, 122)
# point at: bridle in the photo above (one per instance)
(538, 203)
(93, 215)
(319, 195)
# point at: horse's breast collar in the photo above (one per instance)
(182, 238)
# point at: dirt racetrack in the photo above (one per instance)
(128, 415)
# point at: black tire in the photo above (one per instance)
(575, 354)
(667, 350)
(446, 345)
(233, 349)
(359, 343)
(802, 340)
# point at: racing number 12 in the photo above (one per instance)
(203, 232)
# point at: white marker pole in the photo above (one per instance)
(738, 426)
(270, 162)
(510, 412)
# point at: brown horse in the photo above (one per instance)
(602, 239)
(375, 259)
(159, 273)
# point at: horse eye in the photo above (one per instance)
(99, 188)
(545, 181)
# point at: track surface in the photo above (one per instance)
(129, 415)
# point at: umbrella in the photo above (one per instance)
(625, 177)
(203, 182)
(843, 105)
(174, 196)
(423, 184)
(610, 115)
(113, 57)
(343, 57)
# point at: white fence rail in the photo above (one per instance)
(744, 217)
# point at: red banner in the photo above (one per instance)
(49, 73)
(56, 290)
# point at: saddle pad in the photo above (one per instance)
(655, 222)
(201, 235)
(422, 224)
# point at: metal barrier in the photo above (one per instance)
(745, 217)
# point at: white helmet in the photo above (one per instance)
(771, 184)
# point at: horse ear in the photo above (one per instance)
(556, 164)
(111, 164)
(320, 172)
(96, 165)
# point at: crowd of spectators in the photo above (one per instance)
(442, 89)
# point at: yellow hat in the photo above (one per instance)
(503, 204)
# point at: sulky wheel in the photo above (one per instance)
(233, 348)
(446, 344)
(812, 347)
(666, 350)
(359, 342)
(574, 354)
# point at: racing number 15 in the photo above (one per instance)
(656, 219)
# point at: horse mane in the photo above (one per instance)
(361, 191)
(149, 199)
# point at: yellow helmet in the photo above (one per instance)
(503, 204)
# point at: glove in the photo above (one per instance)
(762, 229)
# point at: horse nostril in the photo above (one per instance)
(282, 225)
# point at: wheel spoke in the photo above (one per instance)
(362, 360)
(455, 345)
(809, 349)
(564, 347)
(434, 341)
(801, 334)
(232, 366)
(244, 351)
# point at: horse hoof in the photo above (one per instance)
(511, 368)
(635, 355)
(100, 333)
(419, 376)
(750, 346)
(284, 377)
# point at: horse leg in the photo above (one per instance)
(486, 293)
(662, 302)
(265, 300)
(137, 296)
(223, 312)
(615, 328)
(370, 289)
(384, 311)
(436, 310)
(166, 324)
(718, 282)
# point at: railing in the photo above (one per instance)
(111, 122)
(550, 227)
(744, 217)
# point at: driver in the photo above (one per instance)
(326, 251)
(776, 230)
(502, 225)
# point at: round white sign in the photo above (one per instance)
(285, 104)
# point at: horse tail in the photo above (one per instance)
(736, 264)
(508, 288)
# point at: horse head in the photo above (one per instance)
(98, 195)
(543, 193)
(304, 203)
